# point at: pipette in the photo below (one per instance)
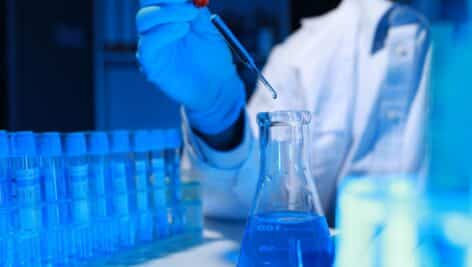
(236, 46)
(240, 51)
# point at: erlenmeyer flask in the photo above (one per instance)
(286, 226)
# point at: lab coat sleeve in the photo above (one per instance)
(229, 179)
(219, 171)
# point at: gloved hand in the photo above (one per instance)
(183, 54)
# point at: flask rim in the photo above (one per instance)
(284, 117)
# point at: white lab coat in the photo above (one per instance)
(327, 68)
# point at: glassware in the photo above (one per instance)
(140, 145)
(286, 226)
(53, 191)
(445, 235)
(104, 228)
(173, 140)
(384, 221)
(158, 186)
(6, 248)
(80, 244)
(26, 193)
(378, 220)
(444, 230)
(122, 187)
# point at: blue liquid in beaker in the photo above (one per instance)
(287, 239)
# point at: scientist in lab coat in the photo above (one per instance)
(362, 69)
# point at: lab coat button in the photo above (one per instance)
(393, 115)
(402, 50)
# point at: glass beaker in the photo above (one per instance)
(378, 222)
(286, 226)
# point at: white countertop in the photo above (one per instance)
(220, 248)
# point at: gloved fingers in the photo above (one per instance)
(202, 24)
(153, 16)
(163, 36)
(144, 3)
(150, 45)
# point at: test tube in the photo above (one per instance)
(158, 183)
(172, 158)
(121, 187)
(77, 173)
(140, 144)
(104, 229)
(53, 235)
(5, 203)
(26, 193)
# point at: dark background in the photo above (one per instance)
(48, 73)
(47, 69)
(2, 65)
(307, 8)
(60, 70)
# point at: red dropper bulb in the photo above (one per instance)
(201, 3)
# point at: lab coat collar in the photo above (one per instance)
(371, 12)
(398, 15)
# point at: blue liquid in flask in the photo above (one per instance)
(286, 227)
(287, 239)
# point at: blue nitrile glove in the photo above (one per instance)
(183, 54)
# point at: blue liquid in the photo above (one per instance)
(287, 239)
(105, 238)
(175, 190)
(143, 209)
(54, 214)
(28, 217)
(192, 206)
(81, 245)
(5, 216)
(159, 197)
(126, 229)
(5, 238)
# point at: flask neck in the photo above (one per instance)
(286, 183)
(283, 146)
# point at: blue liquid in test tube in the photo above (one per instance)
(158, 184)
(140, 143)
(26, 193)
(76, 167)
(5, 204)
(53, 191)
(104, 228)
(121, 188)
(172, 158)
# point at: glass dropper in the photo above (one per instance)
(236, 46)
(240, 51)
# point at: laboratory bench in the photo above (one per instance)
(218, 248)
